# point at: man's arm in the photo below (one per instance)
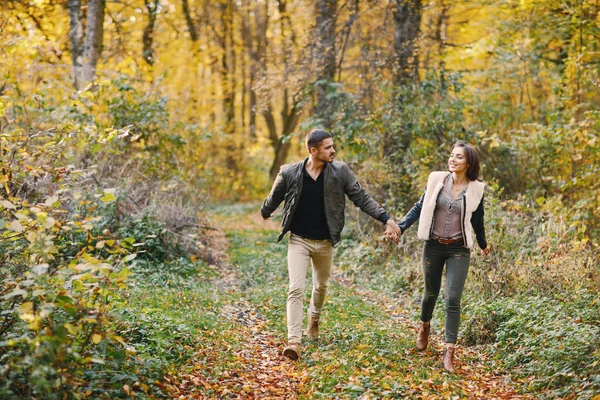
(276, 196)
(362, 200)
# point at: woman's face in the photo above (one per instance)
(458, 160)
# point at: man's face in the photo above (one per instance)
(325, 152)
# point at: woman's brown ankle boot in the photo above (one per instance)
(423, 337)
(448, 360)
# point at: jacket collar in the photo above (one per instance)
(326, 168)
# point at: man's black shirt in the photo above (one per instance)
(309, 219)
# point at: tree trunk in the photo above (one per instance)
(148, 37)
(281, 143)
(191, 24)
(248, 82)
(354, 8)
(442, 39)
(254, 32)
(231, 69)
(442, 28)
(76, 34)
(407, 21)
(325, 52)
(92, 47)
(252, 100)
(228, 86)
(290, 115)
(259, 66)
(225, 70)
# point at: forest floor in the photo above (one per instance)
(367, 345)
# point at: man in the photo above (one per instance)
(314, 191)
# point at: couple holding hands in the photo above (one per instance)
(315, 190)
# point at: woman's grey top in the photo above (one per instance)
(446, 218)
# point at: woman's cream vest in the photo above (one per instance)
(471, 201)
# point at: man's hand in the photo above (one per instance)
(487, 250)
(392, 231)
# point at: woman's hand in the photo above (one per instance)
(487, 250)
(393, 237)
(392, 231)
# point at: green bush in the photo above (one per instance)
(181, 272)
(151, 238)
(146, 117)
(555, 340)
(531, 243)
(377, 265)
(482, 322)
(62, 270)
(554, 161)
(57, 321)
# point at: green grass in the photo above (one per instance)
(362, 350)
(167, 327)
(175, 317)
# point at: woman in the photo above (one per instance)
(448, 212)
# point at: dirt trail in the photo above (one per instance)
(471, 364)
(259, 371)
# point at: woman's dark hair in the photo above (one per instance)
(474, 167)
(315, 137)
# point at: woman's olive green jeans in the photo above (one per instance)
(456, 257)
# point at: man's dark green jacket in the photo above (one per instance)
(339, 181)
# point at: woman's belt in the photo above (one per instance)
(448, 241)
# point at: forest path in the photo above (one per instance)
(367, 339)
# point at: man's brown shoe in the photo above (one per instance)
(448, 360)
(423, 337)
(312, 332)
(292, 351)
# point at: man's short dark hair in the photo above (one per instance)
(315, 137)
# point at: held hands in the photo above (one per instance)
(487, 250)
(392, 231)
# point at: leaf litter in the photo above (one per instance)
(246, 361)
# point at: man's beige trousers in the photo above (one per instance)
(300, 252)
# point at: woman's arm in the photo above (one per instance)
(478, 226)
(412, 215)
